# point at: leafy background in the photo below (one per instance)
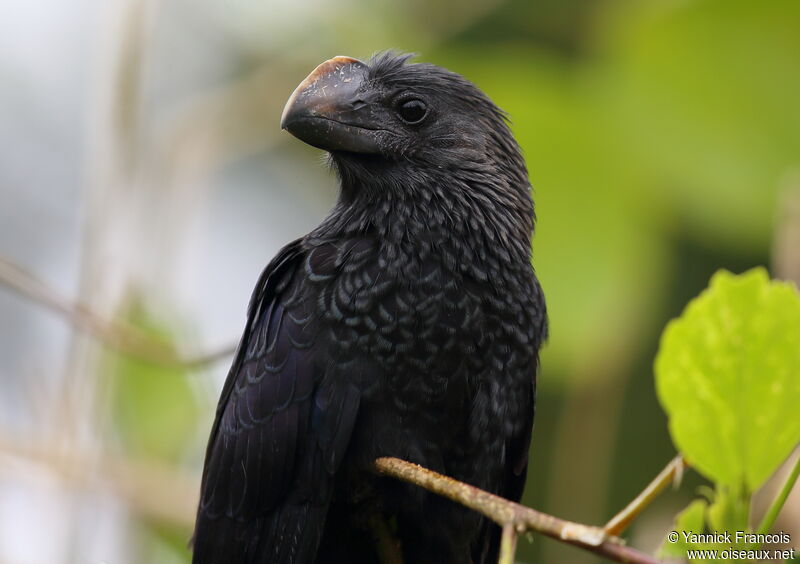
(143, 173)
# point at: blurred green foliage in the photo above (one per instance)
(155, 416)
(706, 93)
(155, 411)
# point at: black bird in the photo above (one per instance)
(407, 324)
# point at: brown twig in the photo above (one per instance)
(118, 336)
(509, 514)
(671, 473)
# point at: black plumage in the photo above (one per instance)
(407, 324)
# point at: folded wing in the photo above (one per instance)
(281, 430)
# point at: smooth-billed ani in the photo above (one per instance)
(407, 324)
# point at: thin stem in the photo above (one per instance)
(777, 504)
(505, 512)
(118, 336)
(508, 545)
(671, 473)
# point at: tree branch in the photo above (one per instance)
(512, 516)
(118, 336)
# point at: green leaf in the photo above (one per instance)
(690, 520)
(726, 513)
(729, 511)
(727, 376)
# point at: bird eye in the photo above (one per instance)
(413, 111)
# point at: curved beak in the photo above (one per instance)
(328, 109)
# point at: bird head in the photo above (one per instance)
(387, 114)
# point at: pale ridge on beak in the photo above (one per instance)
(329, 67)
(330, 110)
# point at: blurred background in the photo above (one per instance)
(145, 182)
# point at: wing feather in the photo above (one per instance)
(281, 430)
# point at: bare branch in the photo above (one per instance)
(118, 336)
(151, 487)
(671, 473)
(507, 513)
